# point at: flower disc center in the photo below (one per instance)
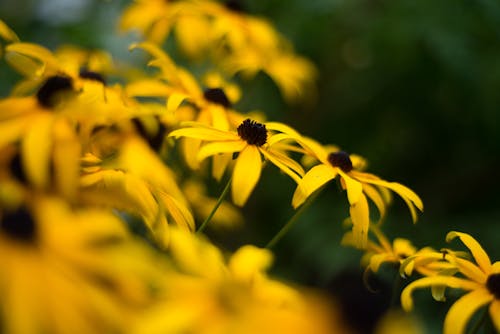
(217, 96)
(341, 160)
(48, 94)
(252, 132)
(19, 225)
(493, 285)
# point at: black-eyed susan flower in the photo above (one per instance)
(401, 253)
(481, 279)
(251, 141)
(65, 268)
(360, 186)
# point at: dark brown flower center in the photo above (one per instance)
(90, 75)
(217, 96)
(252, 132)
(493, 285)
(341, 160)
(18, 225)
(48, 95)
(235, 6)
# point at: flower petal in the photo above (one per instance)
(452, 282)
(314, 179)
(354, 187)
(204, 133)
(360, 217)
(246, 174)
(463, 309)
(283, 162)
(36, 151)
(175, 100)
(220, 147)
(481, 257)
(495, 313)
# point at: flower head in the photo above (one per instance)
(360, 187)
(481, 279)
(251, 141)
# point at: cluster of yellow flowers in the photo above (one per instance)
(84, 160)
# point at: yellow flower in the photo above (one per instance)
(136, 181)
(481, 279)
(65, 269)
(251, 140)
(209, 294)
(359, 186)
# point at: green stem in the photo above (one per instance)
(292, 221)
(396, 290)
(219, 202)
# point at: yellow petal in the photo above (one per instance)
(481, 257)
(147, 88)
(463, 309)
(180, 214)
(360, 217)
(7, 34)
(495, 313)
(35, 52)
(66, 159)
(354, 188)
(249, 261)
(283, 162)
(246, 174)
(204, 133)
(36, 151)
(219, 165)
(452, 282)
(375, 196)
(377, 259)
(175, 100)
(220, 147)
(314, 179)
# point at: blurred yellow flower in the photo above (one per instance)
(481, 279)
(66, 269)
(211, 295)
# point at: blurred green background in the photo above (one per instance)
(412, 86)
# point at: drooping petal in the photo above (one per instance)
(360, 217)
(284, 163)
(354, 187)
(36, 150)
(220, 147)
(411, 199)
(377, 259)
(175, 100)
(246, 174)
(469, 269)
(219, 165)
(35, 52)
(481, 257)
(452, 282)
(463, 309)
(180, 213)
(375, 196)
(495, 313)
(6, 33)
(313, 180)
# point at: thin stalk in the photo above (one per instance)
(219, 202)
(292, 221)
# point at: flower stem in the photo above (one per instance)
(219, 202)
(292, 221)
(396, 290)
